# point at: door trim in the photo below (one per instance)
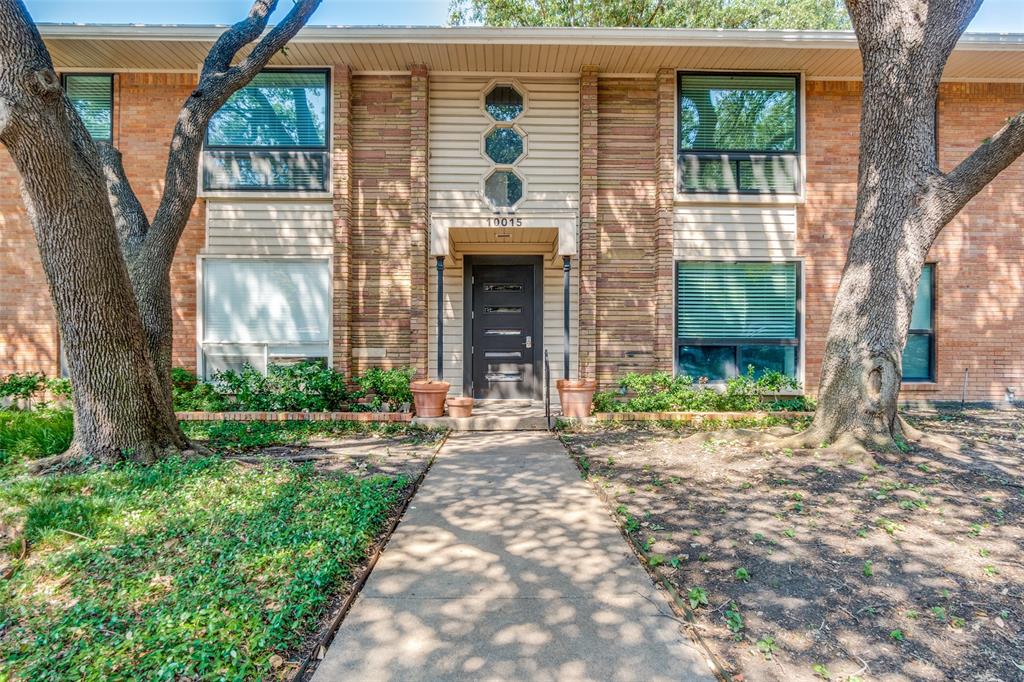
(468, 263)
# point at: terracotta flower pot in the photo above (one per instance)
(460, 407)
(576, 396)
(428, 396)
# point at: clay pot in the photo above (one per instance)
(428, 396)
(460, 407)
(576, 396)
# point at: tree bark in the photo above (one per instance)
(107, 265)
(116, 410)
(903, 202)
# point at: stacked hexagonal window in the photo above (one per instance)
(504, 144)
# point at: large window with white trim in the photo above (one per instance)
(730, 316)
(261, 311)
(271, 135)
(738, 133)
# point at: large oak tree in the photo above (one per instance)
(107, 264)
(903, 202)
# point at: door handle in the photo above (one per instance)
(529, 342)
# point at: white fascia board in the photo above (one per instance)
(469, 35)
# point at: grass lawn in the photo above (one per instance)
(190, 569)
(810, 565)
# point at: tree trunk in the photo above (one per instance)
(903, 202)
(117, 410)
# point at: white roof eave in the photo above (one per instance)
(655, 37)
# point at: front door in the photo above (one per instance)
(504, 340)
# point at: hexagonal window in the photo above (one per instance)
(504, 103)
(503, 145)
(503, 189)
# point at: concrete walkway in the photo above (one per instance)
(508, 567)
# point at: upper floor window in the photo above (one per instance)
(739, 133)
(92, 95)
(272, 134)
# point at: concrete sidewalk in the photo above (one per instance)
(508, 567)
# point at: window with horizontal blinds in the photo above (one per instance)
(271, 135)
(919, 352)
(93, 98)
(731, 316)
(276, 109)
(259, 309)
(736, 300)
(738, 133)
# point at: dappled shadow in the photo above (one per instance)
(940, 598)
(506, 566)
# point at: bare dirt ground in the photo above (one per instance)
(821, 566)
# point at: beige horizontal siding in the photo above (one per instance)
(273, 228)
(458, 124)
(743, 232)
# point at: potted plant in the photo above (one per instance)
(576, 396)
(428, 395)
(460, 407)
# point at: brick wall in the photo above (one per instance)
(146, 106)
(144, 121)
(979, 256)
(626, 309)
(380, 258)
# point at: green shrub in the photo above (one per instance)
(21, 387)
(28, 435)
(661, 392)
(386, 387)
(307, 386)
(192, 395)
(60, 387)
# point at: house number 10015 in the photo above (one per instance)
(505, 221)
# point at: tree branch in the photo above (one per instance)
(953, 190)
(129, 216)
(217, 82)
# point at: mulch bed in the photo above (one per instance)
(827, 566)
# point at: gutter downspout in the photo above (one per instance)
(566, 267)
(440, 318)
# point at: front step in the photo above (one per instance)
(489, 422)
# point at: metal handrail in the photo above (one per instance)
(547, 389)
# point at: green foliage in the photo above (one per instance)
(186, 569)
(238, 436)
(60, 387)
(22, 386)
(697, 596)
(306, 386)
(734, 619)
(662, 392)
(192, 395)
(387, 387)
(769, 14)
(29, 435)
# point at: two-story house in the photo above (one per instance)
(631, 199)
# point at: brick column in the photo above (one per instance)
(418, 219)
(664, 353)
(588, 243)
(341, 180)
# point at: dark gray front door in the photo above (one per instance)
(504, 342)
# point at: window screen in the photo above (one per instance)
(93, 99)
(276, 109)
(738, 133)
(733, 315)
(259, 309)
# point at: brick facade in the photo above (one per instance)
(381, 228)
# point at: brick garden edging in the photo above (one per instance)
(294, 416)
(687, 416)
